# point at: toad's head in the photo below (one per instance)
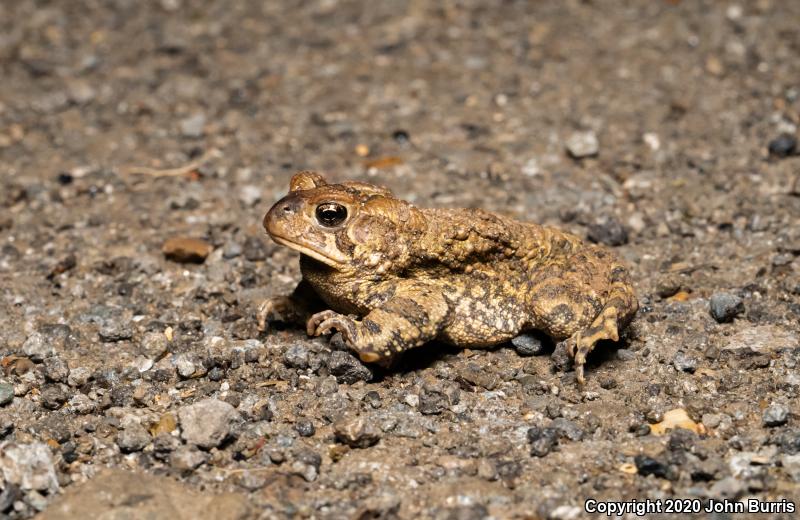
(347, 226)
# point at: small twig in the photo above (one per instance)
(682, 268)
(172, 172)
(235, 471)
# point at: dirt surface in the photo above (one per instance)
(114, 355)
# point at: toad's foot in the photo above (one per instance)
(278, 308)
(326, 322)
(583, 342)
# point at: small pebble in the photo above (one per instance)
(356, 432)
(567, 428)
(79, 376)
(37, 348)
(373, 399)
(725, 306)
(114, 331)
(153, 345)
(432, 403)
(296, 356)
(186, 368)
(401, 136)
(775, 415)
(347, 368)
(207, 423)
(250, 195)
(231, 250)
(527, 345)
(6, 393)
(56, 369)
(608, 231)
(542, 440)
(254, 249)
(193, 126)
(28, 466)
(187, 458)
(582, 144)
(305, 427)
(133, 438)
(649, 466)
(684, 362)
(783, 146)
(53, 396)
(186, 250)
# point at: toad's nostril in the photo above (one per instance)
(287, 208)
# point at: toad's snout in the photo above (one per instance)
(284, 210)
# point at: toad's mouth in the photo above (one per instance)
(304, 250)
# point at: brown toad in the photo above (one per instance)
(466, 277)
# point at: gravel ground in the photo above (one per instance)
(665, 129)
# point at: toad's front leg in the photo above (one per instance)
(294, 308)
(413, 316)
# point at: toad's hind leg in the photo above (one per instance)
(603, 327)
(616, 313)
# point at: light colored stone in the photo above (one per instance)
(207, 423)
(29, 466)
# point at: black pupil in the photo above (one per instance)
(331, 214)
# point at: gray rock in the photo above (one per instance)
(56, 369)
(6, 393)
(775, 414)
(791, 465)
(475, 375)
(82, 404)
(37, 348)
(728, 487)
(193, 126)
(231, 250)
(542, 440)
(567, 428)
(582, 144)
(207, 423)
(356, 432)
(684, 362)
(79, 376)
(725, 306)
(305, 427)
(186, 368)
(153, 345)
(608, 231)
(117, 495)
(527, 345)
(187, 458)
(29, 466)
(113, 331)
(783, 146)
(306, 463)
(254, 249)
(53, 396)
(296, 356)
(347, 368)
(8, 496)
(432, 402)
(250, 195)
(133, 438)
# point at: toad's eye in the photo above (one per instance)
(331, 214)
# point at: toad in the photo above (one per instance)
(394, 277)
